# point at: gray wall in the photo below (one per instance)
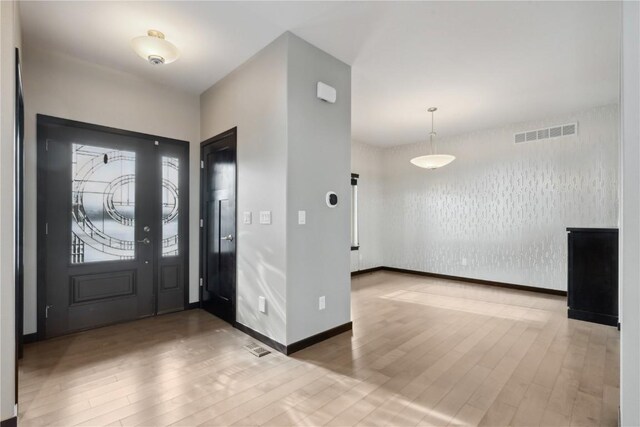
(9, 40)
(292, 149)
(254, 98)
(318, 161)
(70, 88)
(501, 208)
(630, 242)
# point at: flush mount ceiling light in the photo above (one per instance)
(154, 48)
(433, 160)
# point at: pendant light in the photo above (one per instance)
(433, 160)
(154, 48)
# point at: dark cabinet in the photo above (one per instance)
(593, 275)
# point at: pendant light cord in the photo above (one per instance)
(433, 147)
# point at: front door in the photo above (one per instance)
(112, 225)
(219, 220)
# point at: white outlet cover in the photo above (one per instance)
(265, 217)
(246, 217)
(302, 217)
(464, 261)
(262, 305)
(321, 303)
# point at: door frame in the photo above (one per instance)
(213, 140)
(19, 215)
(42, 121)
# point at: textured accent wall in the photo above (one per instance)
(499, 212)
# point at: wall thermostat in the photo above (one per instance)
(332, 199)
(326, 93)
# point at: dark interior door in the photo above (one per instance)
(219, 231)
(113, 235)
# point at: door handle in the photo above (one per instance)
(229, 238)
(145, 241)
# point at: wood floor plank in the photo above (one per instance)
(423, 351)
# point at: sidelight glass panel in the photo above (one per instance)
(170, 196)
(103, 204)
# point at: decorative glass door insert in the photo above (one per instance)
(170, 198)
(103, 204)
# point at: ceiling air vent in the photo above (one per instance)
(548, 133)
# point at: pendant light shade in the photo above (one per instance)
(433, 160)
(154, 48)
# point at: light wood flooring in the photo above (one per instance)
(423, 352)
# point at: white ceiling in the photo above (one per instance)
(484, 64)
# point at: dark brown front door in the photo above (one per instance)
(112, 224)
(219, 231)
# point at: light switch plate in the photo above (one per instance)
(302, 217)
(246, 217)
(321, 303)
(265, 217)
(262, 305)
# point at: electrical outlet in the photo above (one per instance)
(464, 261)
(321, 303)
(265, 217)
(246, 217)
(302, 217)
(262, 305)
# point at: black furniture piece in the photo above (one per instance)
(593, 275)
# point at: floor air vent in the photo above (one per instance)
(256, 350)
(548, 133)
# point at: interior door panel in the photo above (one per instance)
(219, 234)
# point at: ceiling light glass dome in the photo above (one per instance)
(154, 48)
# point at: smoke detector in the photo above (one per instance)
(155, 48)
